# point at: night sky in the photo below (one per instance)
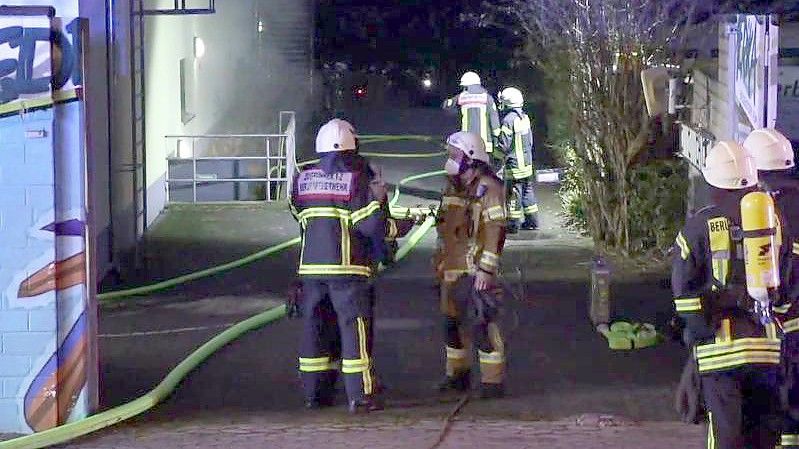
(437, 36)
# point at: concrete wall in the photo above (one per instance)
(23, 339)
(247, 74)
(96, 92)
(96, 88)
(48, 367)
(123, 213)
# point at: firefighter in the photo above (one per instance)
(516, 143)
(471, 229)
(736, 344)
(774, 159)
(478, 110)
(343, 224)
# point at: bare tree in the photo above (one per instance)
(598, 49)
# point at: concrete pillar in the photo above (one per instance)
(48, 367)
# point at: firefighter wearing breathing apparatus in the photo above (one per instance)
(774, 159)
(516, 143)
(344, 226)
(478, 110)
(726, 277)
(471, 229)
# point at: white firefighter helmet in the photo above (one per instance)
(729, 166)
(471, 144)
(511, 97)
(770, 149)
(470, 79)
(336, 135)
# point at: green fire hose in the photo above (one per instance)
(138, 406)
(169, 283)
(166, 387)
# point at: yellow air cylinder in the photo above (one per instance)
(760, 242)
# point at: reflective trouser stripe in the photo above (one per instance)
(791, 325)
(455, 353)
(315, 365)
(491, 358)
(685, 250)
(362, 345)
(531, 209)
(789, 440)
(783, 309)
(353, 366)
(711, 438)
(688, 304)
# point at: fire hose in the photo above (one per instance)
(166, 387)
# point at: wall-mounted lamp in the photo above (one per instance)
(199, 47)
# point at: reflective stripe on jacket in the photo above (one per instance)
(479, 113)
(471, 227)
(705, 273)
(343, 226)
(516, 142)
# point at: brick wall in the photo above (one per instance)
(27, 326)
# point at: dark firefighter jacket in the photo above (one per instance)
(343, 226)
(478, 113)
(708, 280)
(516, 142)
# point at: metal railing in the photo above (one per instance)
(214, 164)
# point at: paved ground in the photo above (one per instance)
(247, 395)
(587, 432)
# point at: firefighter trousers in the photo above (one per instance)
(463, 306)
(789, 392)
(742, 406)
(522, 204)
(319, 345)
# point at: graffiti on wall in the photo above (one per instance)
(40, 70)
(18, 75)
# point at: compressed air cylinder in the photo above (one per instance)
(761, 250)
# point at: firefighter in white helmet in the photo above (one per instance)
(737, 352)
(774, 158)
(471, 230)
(516, 143)
(478, 110)
(341, 212)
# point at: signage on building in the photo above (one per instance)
(788, 102)
(755, 61)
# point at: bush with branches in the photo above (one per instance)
(592, 53)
